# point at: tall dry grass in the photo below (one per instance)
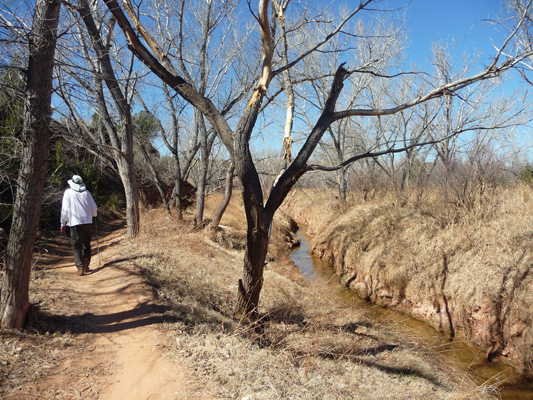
(307, 344)
(463, 263)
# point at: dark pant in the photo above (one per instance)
(81, 244)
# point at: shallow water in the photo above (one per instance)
(513, 386)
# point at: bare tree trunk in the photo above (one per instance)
(280, 7)
(342, 186)
(177, 193)
(124, 159)
(258, 220)
(254, 262)
(407, 172)
(14, 299)
(259, 223)
(204, 165)
(126, 168)
(157, 179)
(228, 189)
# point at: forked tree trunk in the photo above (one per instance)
(257, 218)
(14, 299)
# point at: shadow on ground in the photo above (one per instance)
(144, 314)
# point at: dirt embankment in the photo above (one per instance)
(470, 275)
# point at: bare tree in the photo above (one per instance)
(520, 15)
(115, 137)
(182, 156)
(488, 118)
(146, 128)
(14, 298)
(259, 213)
(203, 62)
(378, 51)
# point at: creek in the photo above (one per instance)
(512, 385)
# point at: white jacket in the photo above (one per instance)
(77, 208)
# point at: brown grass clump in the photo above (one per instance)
(307, 344)
(465, 267)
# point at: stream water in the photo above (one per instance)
(513, 386)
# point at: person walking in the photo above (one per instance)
(77, 211)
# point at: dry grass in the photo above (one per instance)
(307, 345)
(418, 249)
(29, 357)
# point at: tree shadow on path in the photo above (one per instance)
(144, 314)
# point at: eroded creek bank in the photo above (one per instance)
(471, 358)
(468, 275)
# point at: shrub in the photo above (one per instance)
(526, 175)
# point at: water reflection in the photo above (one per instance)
(472, 359)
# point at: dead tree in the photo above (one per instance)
(260, 213)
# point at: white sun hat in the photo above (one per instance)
(77, 184)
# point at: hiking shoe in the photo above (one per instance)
(80, 271)
(86, 269)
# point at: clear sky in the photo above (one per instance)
(429, 21)
(463, 21)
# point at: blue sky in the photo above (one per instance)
(463, 21)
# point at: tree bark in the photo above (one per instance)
(178, 182)
(14, 299)
(280, 8)
(204, 166)
(258, 236)
(228, 190)
(342, 186)
(126, 169)
(258, 220)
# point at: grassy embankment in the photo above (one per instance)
(466, 268)
(310, 345)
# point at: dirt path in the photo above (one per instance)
(118, 318)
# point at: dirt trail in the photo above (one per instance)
(117, 316)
